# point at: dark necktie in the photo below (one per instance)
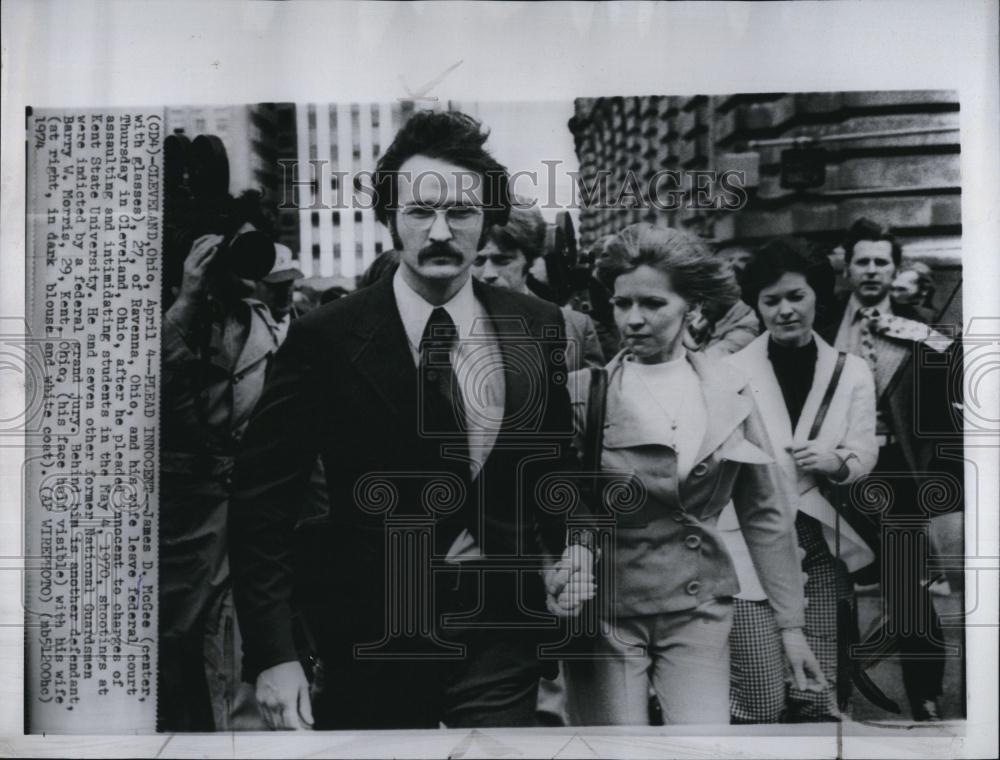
(442, 416)
(443, 404)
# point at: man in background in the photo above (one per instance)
(275, 289)
(506, 260)
(908, 382)
(734, 329)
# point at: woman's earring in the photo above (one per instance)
(697, 328)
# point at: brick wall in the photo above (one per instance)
(910, 183)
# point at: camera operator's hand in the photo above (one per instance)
(183, 312)
(283, 696)
(195, 281)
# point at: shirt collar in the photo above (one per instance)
(854, 305)
(415, 311)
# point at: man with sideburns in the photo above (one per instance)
(437, 405)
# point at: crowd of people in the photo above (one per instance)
(359, 496)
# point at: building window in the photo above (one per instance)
(378, 247)
(336, 218)
(357, 217)
(315, 250)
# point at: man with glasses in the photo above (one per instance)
(437, 405)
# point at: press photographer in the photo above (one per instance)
(217, 342)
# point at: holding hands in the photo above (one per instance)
(570, 582)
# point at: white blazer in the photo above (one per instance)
(848, 428)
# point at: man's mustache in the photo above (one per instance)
(437, 250)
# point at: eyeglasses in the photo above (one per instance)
(457, 217)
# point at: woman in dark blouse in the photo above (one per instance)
(790, 370)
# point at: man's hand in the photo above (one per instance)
(806, 671)
(815, 459)
(195, 279)
(283, 696)
(183, 312)
(570, 582)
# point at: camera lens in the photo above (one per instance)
(251, 255)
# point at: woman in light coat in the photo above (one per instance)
(790, 370)
(682, 438)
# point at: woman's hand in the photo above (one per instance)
(818, 460)
(805, 668)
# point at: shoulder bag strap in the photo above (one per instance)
(824, 405)
(593, 441)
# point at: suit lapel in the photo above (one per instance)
(726, 407)
(897, 352)
(383, 353)
(766, 390)
(826, 360)
(512, 328)
(892, 355)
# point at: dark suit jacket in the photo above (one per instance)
(343, 386)
(921, 398)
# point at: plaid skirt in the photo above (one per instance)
(759, 690)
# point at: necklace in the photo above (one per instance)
(639, 373)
